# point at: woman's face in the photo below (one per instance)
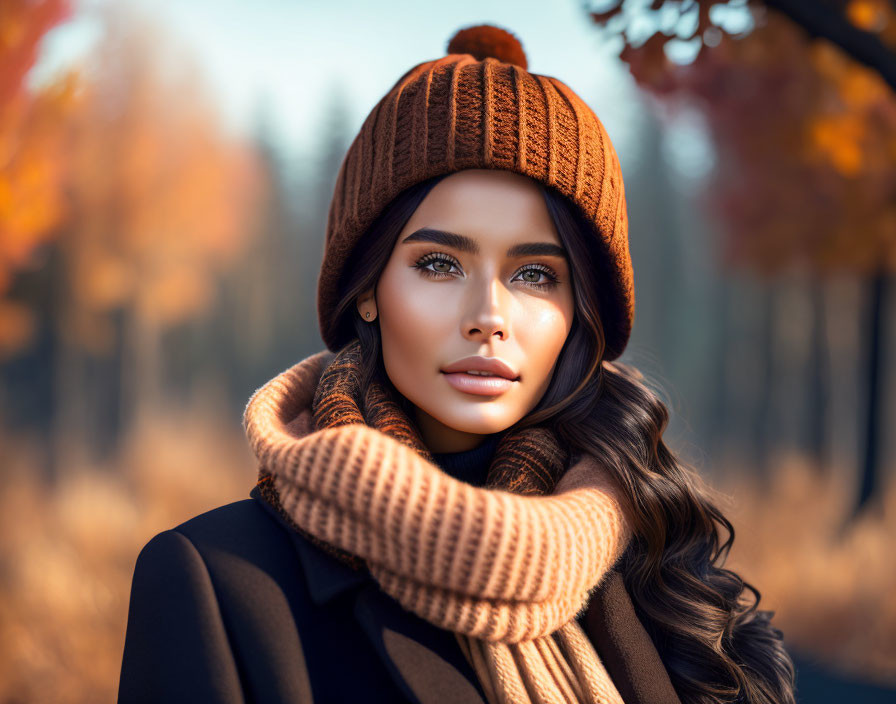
(477, 271)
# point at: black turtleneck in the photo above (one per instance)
(470, 466)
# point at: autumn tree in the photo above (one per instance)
(803, 117)
(160, 199)
(31, 156)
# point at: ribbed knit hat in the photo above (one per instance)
(479, 108)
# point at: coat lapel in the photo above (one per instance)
(624, 646)
(424, 661)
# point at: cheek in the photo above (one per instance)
(409, 314)
(542, 336)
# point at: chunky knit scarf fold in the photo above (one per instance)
(506, 567)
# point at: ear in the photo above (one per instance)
(366, 305)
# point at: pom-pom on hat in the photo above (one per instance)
(479, 107)
(484, 40)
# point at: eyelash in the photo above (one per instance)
(428, 259)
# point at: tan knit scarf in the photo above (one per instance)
(506, 567)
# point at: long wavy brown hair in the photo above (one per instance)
(714, 642)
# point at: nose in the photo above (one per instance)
(487, 313)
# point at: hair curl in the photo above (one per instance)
(714, 642)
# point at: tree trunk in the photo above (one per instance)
(68, 425)
(765, 351)
(876, 340)
(720, 395)
(141, 368)
(818, 381)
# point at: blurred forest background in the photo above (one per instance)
(158, 265)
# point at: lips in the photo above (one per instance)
(491, 365)
(501, 377)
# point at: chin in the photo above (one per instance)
(472, 420)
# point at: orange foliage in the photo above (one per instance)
(31, 156)
(160, 195)
(806, 139)
(854, 131)
(24, 24)
(127, 169)
(870, 15)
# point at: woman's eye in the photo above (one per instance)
(441, 265)
(534, 275)
(435, 265)
(531, 276)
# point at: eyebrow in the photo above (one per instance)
(466, 244)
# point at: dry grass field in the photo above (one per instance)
(831, 582)
(67, 555)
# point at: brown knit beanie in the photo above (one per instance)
(479, 108)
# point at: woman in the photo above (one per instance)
(463, 498)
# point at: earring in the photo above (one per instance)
(367, 314)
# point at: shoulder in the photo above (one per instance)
(237, 561)
(217, 595)
(222, 527)
(231, 554)
(236, 539)
(227, 522)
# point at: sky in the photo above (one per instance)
(290, 55)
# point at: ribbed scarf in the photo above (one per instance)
(506, 567)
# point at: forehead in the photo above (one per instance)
(486, 204)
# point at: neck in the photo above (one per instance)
(470, 466)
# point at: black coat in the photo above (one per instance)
(222, 611)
